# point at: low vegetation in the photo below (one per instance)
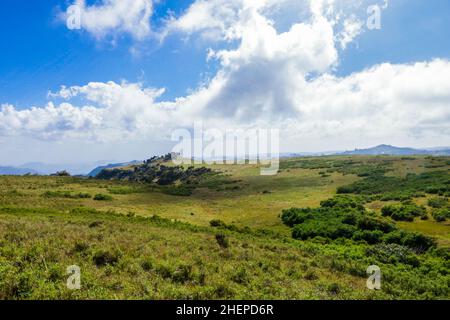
(159, 231)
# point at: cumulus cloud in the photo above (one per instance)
(384, 101)
(113, 112)
(112, 17)
(272, 76)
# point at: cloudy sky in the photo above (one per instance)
(137, 70)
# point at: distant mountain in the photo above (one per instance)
(391, 150)
(13, 171)
(97, 170)
(72, 168)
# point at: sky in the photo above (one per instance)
(134, 71)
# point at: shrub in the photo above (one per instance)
(418, 242)
(311, 275)
(63, 173)
(222, 240)
(80, 247)
(102, 197)
(217, 223)
(164, 271)
(182, 274)
(345, 218)
(294, 216)
(240, 276)
(180, 191)
(123, 190)
(84, 210)
(403, 212)
(66, 194)
(147, 265)
(95, 224)
(322, 228)
(222, 291)
(393, 253)
(371, 237)
(334, 288)
(441, 215)
(438, 203)
(343, 202)
(102, 258)
(371, 224)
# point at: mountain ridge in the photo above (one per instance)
(15, 171)
(385, 149)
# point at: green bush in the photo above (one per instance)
(371, 237)
(147, 265)
(438, 203)
(418, 241)
(102, 197)
(393, 253)
(217, 223)
(294, 216)
(103, 258)
(182, 274)
(240, 277)
(403, 212)
(322, 228)
(180, 191)
(66, 195)
(222, 240)
(344, 217)
(394, 188)
(441, 215)
(125, 190)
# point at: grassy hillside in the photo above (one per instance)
(148, 241)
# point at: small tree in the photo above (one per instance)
(63, 173)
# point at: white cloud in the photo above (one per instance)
(114, 112)
(271, 77)
(352, 28)
(407, 101)
(113, 17)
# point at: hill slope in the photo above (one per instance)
(233, 237)
(391, 150)
(97, 170)
(13, 171)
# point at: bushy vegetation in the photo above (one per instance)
(442, 214)
(154, 258)
(344, 217)
(404, 211)
(63, 173)
(438, 202)
(394, 188)
(66, 195)
(102, 197)
(155, 171)
(226, 240)
(126, 190)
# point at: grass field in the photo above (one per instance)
(135, 241)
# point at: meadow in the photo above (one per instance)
(309, 232)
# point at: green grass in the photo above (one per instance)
(50, 223)
(150, 258)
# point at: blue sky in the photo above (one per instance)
(40, 55)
